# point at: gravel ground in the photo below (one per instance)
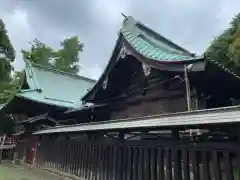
(23, 172)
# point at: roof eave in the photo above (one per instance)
(24, 96)
(111, 62)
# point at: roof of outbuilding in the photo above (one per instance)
(54, 87)
(51, 87)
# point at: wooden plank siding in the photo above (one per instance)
(141, 160)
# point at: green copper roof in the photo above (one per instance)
(152, 45)
(54, 87)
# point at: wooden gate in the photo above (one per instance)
(142, 160)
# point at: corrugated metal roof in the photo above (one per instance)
(194, 118)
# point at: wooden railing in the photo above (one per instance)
(141, 160)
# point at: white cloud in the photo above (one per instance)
(93, 72)
(20, 33)
(190, 23)
(227, 12)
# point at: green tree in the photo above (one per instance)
(5, 44)
(65, 59)
(39, 53)
(7, 89)
(7, 55)
(226, 47)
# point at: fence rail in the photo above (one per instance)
(141, 160)
(199, 118)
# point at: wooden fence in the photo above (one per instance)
(141, 160)
(7, 148)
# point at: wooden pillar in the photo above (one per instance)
(121, 136)
(175, 134)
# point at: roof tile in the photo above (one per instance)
(150, 47)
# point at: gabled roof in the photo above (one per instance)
(146, 44)
(153, 49)
(53, 87)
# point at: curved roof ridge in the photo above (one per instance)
(32, 64)
(165, 39)
(133, 25)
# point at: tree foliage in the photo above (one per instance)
(7, 87)
(39, 53)
(226, 47)
(5, 44)
(65, 59)
(7, 55)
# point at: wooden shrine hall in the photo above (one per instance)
(158, 111)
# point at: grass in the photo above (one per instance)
(15, 172)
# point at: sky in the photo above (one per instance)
(191, 24)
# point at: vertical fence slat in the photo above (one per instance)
(63, 150)
(206, 166)
(177, 165)
(195, 165)
(89, 161)
(168, 159)
(95, 167)
(129, 164)
(228, 166)
(119, 163)
(135, 163)
(87, 155)
(216, 165)
(65, 166)
(160, 163)
(104, 162)
(238, 165)
(153, 163)
(115, 163)
(58, 153)
(101, 168)
(146, 168)
(109, 163)
(74, 157)
(71, 156)
(93, 154)
(81, 153)
(84, 157)
(140, 164)
(77, 158)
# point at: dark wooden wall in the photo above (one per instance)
(158, 94)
